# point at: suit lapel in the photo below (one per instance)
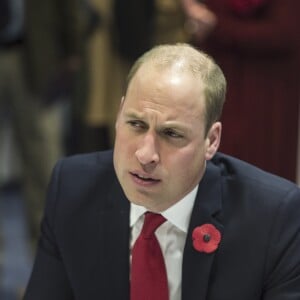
(197, 266)
(114, 232)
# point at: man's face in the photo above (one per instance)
(160, 146)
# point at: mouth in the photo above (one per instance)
(144, 179)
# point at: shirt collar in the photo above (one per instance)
(178, 214)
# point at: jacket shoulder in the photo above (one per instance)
(248, 175)
(83, 167)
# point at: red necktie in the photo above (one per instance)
(148, 271)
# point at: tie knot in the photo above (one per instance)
(151, 223)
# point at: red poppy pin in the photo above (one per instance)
(206, 238)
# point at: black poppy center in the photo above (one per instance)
(206, 237)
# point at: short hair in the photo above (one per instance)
(196, 62)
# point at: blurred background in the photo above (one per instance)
(63, 66)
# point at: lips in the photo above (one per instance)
(142, 178)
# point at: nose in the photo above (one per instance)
(147, 152)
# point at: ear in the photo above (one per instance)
(119, 110)
(213, 140)
(121, 104)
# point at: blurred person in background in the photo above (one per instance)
(93, 100)
(39, 42)
(256, 44)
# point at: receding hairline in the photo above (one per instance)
(186, 59)
(183, 57)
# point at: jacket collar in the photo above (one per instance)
(197, 266)
(115, 231)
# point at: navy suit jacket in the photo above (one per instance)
(83, 252)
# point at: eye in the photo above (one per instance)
(172, 133)
(137, 124)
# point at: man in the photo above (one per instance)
(231, 230)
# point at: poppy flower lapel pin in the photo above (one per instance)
(206, 238)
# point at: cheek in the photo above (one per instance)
(184, 159)
(121, 136)
(191, 162)
(124, 143)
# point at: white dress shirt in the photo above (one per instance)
(171, 236)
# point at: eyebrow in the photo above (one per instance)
(134, 114)
(165, 125)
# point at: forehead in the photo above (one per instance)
(173, 86)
